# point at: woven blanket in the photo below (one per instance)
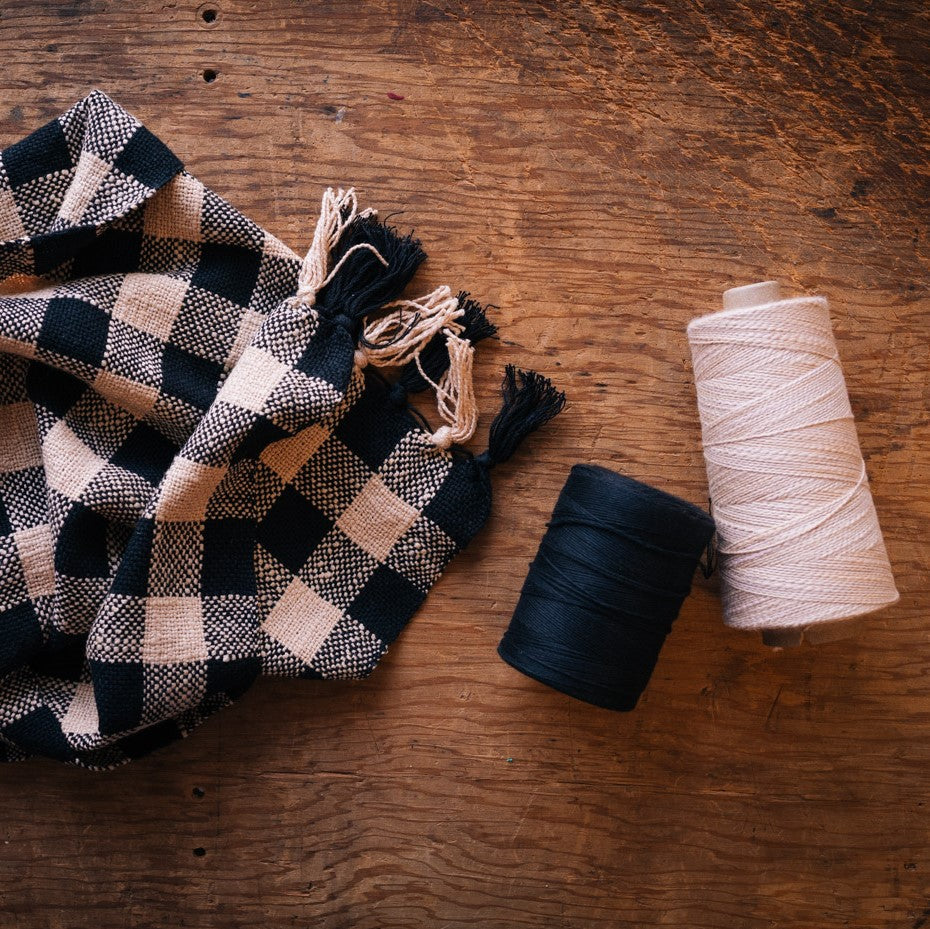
(209, 469)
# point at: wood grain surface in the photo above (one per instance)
(601, 171)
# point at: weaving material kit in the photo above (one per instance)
(210, 470)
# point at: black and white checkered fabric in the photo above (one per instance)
(197, 484)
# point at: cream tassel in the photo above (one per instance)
(389, 342)
(455, 395)
(338, 210)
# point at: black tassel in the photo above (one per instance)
(530, 401)
(363, 284)
(434, 358)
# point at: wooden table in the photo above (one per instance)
(601, 172)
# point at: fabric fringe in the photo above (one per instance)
(434, 357)
(356, 268)
(529, 401)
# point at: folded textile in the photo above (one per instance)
(204, 474)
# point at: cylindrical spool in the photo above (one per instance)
(606, 584)
(800, 551)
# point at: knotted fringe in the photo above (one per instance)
(529, 401)
(338, 211)
(392, 341)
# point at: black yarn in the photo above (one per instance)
(363, 284)
(607, 583)
(529, 401)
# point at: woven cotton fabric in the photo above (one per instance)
(198, 484)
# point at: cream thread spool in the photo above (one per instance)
(801, 551)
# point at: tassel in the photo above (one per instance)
(338, 210)
(455, 395)
(529, 401)
(389, 341)
(434, 358)
(372, 264)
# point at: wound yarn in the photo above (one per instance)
(799, 542)
(607, 583)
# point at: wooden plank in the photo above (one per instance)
(601, 172)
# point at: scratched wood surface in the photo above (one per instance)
(601, 172)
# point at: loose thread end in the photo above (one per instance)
(708, 563)
(529, 401)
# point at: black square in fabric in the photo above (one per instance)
(22, 636)
(228, 270)
(324, 356)
(56, 390)
(52, 249)
(146, 452)
(81, 549)
(232, 678)
(189, 377)
(132, 577)
(262, 434)
(39, 732)
(62, 656)
(118, 687)
(114, 251)
(371, 427)
(74, 329)
(148, 160)
(41, 152)
(145, 741)
(386, 603)
(228, 547)
(292, 529)
(448, 507)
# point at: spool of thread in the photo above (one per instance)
(607, 582)
(799, 545)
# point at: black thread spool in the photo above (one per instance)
(607, 583)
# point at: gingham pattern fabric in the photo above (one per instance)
(197, 485)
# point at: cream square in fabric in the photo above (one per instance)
(275, 247)
(173, 631)
(90, 174)
(81, 717)
(11, 226)
(376, 519)
(69, 464)
(186, 490)
(37, 559)
(250, 323)
(253, 379)
(175, 211)
(19, 447)
(301, 620)
(287, 456)
(150, 302)
(127, 394)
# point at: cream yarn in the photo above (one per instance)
(799, 540)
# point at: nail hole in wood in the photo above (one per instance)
(209, 75)
(198, 792)
(209, 15)
(199, 851)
